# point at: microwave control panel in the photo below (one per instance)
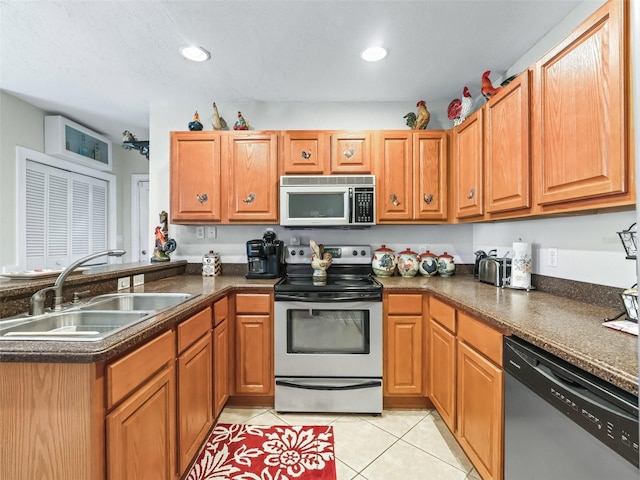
(363, 204)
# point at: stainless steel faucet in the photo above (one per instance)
(36, 304)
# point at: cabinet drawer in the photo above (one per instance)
(481, 337)
(220, 310)
(444, 314)
(193, 328)
(253, 303)
(129, 372)
(404, 303)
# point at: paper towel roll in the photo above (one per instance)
(521, 265)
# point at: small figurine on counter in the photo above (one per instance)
(241, 123)
(164, 244)
(217, 121)
(196, 124)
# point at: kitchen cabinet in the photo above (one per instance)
(196, 194)
(250, 165)
(195, 385)
(411, 172)
(305, 152)
(141, 385)
(467, 162)
(350, 152)
(220, 355)
(580, 137)
(403, 347)
(442, 360)
(507, 159)
(254, 374)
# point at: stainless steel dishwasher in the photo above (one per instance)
(563, 423)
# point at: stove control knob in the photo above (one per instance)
(355, 253)
(363, 253)
(301, 252)
(293, 252)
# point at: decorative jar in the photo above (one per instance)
(428, 264)
(383, 262)
(446, 266)
(408, 263)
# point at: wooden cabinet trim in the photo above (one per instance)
(481, 337)
(444, 314)
(253, 303)
(193, 328)
(404, 303)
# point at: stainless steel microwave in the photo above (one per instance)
(327, 200)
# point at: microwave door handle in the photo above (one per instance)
(350, 205)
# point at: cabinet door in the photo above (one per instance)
(195, 177)
(252, 163)
(506, 154)
(442, 372)
(430, 157)
(579, 125)
(305, 152)
(403, 355)
(254, 354)
(220, 366)
(195, 399)
(480, 411)
(141, 432)
(394, 176)
(351, 152)
(467, 160)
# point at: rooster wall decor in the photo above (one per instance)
(459, 109)
(487, 88)
(421, 120)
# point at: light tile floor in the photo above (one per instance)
(397, 445)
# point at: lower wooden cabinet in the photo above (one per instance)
(442, 372)
(141, 432)
(220, 356)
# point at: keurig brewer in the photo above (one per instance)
(264, 257)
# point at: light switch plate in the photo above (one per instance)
(124, 282)
(138, 279)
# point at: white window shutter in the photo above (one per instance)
(35, 218)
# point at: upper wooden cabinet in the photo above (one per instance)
(467, 167)
(579, 130)
(411, 173)
(350, 152)
(251, 167)
(507, 159)
(195, 177)
(305, 152)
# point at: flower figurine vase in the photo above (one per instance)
(428, 264)
(383, 262)
(446, 266)
(408, 264)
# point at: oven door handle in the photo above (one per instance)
(308, 386)
(376, 297)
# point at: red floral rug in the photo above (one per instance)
(250, 452)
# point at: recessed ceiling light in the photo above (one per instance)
(373, 54)
(197, 54)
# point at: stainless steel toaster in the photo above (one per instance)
(494, 270)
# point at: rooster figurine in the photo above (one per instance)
(459, 109)
(241, 123)
(196, 124)
(421, 120)
(487, 88)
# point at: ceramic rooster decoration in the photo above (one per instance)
(195, 125)
(217, 121)
(421, 120)
(241, 123)
(459, 109)
(487, 88)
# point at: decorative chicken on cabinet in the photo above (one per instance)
(460, 109)
(241, 123)
(218, 122)
(195, 125)
(487, 89)
(421, 120)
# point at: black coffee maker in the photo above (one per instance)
(265, 257)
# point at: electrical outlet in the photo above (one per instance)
(199, 232)
(124, 282)
(138, 279)
(211, 232)
(553, 257)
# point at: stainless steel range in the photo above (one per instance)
(328, 335)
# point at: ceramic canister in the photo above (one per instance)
(408, 263)
(383, 262)
(446, 267)
(428, 264)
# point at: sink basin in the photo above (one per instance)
(136, 301)
(73, 325)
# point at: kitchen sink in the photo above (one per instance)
(77, 325)
(135, 301)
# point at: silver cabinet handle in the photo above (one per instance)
(250, 198)
(306, 155)
(394, 200)
(202, 198)
(471, 193)
(428, 199)
(348, 153)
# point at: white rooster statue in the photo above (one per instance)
(459, 109)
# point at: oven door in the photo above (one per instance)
(328, 339)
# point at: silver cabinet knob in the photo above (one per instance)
(306, 155)
(471, 193)
(394, 200)
(428, 199)
(250, 198)
(202, 198)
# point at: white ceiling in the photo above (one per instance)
(102, 63)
